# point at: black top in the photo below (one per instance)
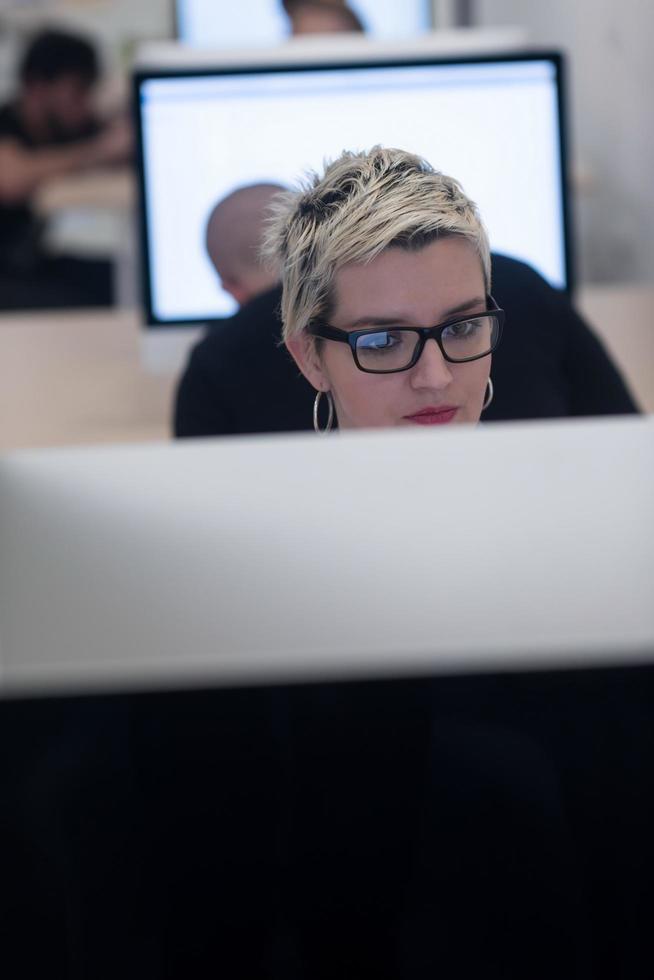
(548, 365)
(20, 229)
(240, 380)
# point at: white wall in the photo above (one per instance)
(612, 122)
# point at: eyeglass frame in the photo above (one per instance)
(323, 330)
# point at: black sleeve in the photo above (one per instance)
(596, 385)
(9, 125)
(198, 409)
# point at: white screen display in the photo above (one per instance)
(492, 125)
(208, 23)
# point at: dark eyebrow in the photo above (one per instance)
(478, 303)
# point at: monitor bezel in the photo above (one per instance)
(205, 70)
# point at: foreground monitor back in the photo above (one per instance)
(422, 728)
(495, 123)
(205, 23)
(366, 553)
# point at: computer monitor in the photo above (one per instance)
(205, 23)
(496, 123)
(204, 561)
(374, 705)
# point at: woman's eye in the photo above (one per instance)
(380, 342)
(464, 329)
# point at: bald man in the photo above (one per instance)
(233, 238)
(239, 379)
(322, 17)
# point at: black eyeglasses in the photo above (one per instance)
(392, 349)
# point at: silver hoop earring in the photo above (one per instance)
(330, 411)
(489, 394)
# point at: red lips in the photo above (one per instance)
(433, 415)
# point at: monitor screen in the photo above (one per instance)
(493, 123)
(261, 22)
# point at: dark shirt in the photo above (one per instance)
(240, 380)
(20, 229)
(549, 365)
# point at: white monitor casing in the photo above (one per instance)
(361, 554)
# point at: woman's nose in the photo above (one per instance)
(432, 370)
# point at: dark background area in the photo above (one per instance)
(484, 825)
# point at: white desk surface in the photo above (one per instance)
(76, 378)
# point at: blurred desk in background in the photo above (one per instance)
(110, 189)
(80, 378)
(94, 215)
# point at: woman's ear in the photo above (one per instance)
(302, 348)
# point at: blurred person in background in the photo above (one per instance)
(240, 378)
(233, 238)
(50, 130)
(321, 17)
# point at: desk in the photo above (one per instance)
(79, 378)
(94, 214)
(102, 189)
(76, 378)
(623, 316)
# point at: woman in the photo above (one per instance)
(378, 258)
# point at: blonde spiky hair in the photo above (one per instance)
(364, 203)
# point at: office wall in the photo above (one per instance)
(612, 75)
